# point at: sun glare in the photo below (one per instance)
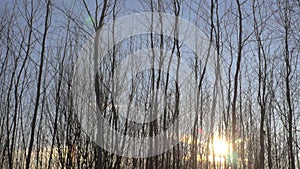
(220, 147)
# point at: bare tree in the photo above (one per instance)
(33, 123)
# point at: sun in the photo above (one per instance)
(220, 147)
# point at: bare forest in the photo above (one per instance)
(198, 84)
